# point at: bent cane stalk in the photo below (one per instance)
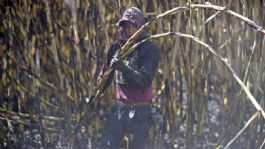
(224, 61)
(239, 81)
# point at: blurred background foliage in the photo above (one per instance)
(52, 50)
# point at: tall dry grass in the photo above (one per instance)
(51, 53)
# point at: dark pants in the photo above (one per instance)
(132, 120)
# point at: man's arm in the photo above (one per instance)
(143, 77)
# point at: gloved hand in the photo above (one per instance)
(131, 75)
(117, 64)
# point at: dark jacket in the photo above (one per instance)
(134, 84)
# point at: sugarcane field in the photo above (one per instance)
(132, 74)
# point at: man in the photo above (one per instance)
(133, 79)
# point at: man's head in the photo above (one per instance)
(131, 21)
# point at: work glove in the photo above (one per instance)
(133, 76)
(117, 64)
